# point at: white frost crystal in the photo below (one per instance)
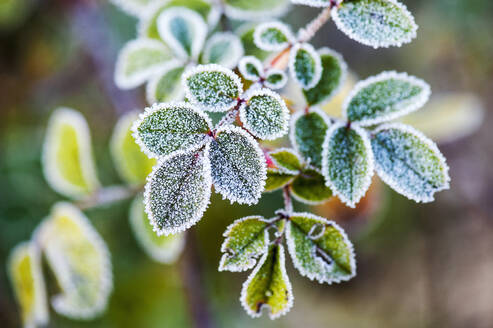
(273, 36)
(305, 65)
(251, 68)
(314, 3)
(275, 79)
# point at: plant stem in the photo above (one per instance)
(288, 203)
(229, 118)
(305, 34)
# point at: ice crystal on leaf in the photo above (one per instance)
(347, 162)
(385, 97)
(277, 179)
(238, 165)
(178, 191)
(275, 79)
(309, 187)
(375, 23)
(320, 249)
(166, 129)
(273, 36)
(305, 65)
(409, 162)
(224, 49)
(246, 240)
(254, 9)
(251, 68)
(133, 7)
(315, 3)
(165, 85)
(286, 160)
(268, 286)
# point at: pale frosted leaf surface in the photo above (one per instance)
(376, 23)
(246, 240)
(223, 48)
(286, 160)
(275, 79)
(305, 65)
(307, 134)
(332, 78)
(277, 179)
(251, 68)
(268, 286)
(138, 61)
(163, 249)
(255, 9)
(178, 192)
(183, 30)
(320, 249)
(385, 97)
(309, 187)
(80, 261)
(409, 162)
(169, 128)
(166, 86)
(212, 87)
(132, 164)
(273, 36)
(265, 115)
(26, 276)
(347, 162)
(67, 159)
(238, 165)
(133, 7)
(314, 3)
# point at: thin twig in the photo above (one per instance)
(305, 34)
(288, 203)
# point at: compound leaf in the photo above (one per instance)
(305, 65)
(286, 160)
(223, 48)
(409, 162)
(166, 86)
(273, 36)
(309, 187)
(320, 249)
(255, 9)
(277, 179)
(385, 97)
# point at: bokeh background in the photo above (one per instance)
(418, 265)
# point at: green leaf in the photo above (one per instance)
(80, 261)
(166, 86)
(246, 33)
(277, 179)
(246, 240)
(320, 249)
(305, 65)
(314, 3)
(375, 23)
(223, 48)
(163, 249)
(251, 68)
(133, 7)
(287, 160)
(212, 87)
(308, 134)
(275, 79)
(170, 128)
(409, 162)
(385, 97)
(183, 30)
(255, 9)
(67, 154)
(347, 162)
(26, 276)
(273, 36)
(138, 60)
(264, 114)
(132, 164)
(333, 77)
(178, 192)
(309, 187)
(238, 165)
(268, 286)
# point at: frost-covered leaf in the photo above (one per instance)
(375, 23)
(183, 30)
(265, 115)
(26, 277)
(238, 165)
(133, 7)
(132, 164)
(347, 162)
(320, 249)
(333, 76)
(277, 179)
(178, 192)
(169, 128)
(163, 249)
(246, 33)
(67, 154)
(286, 160)
(305, 65)
(138, 60)
(309, 187)
(315, 3)
(308, 134)
(273, 36)
(251, 68)
(275, 79)
(255, 9)
(212, 87)
(223, 48)
(80, 261)
(166, 86)
(246, 240)
(385, 97)
(268, 286)
(409, 162)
